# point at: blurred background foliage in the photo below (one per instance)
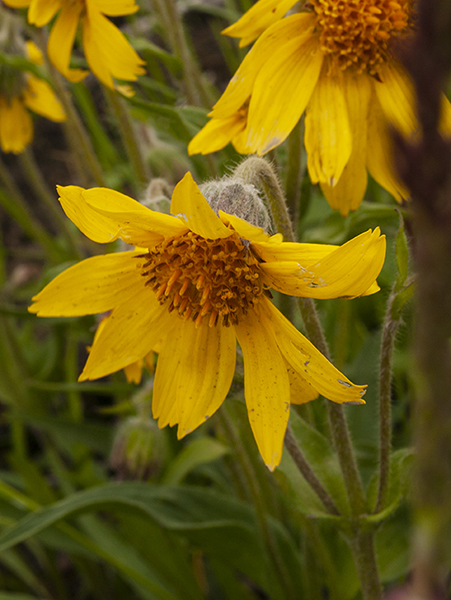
(96, 502)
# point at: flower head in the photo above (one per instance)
(335, 62)
(201, 284)
(21, 92)
(107, 51)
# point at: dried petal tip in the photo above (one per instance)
(235, 197)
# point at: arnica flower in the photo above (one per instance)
(19, 93)
(202, 284)
(335, 62)
(107, 51)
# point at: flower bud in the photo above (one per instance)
(236, 197)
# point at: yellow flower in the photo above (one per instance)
(107, 51)
(202, 285)
(334, 62)
(20, 93)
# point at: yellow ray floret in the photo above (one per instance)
(197, 285)
(108, 53)
(333, 61)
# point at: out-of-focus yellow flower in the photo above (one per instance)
(107, 51)
(333, 61)
(21, 92)
(201, 285)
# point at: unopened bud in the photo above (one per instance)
(236, 197)
(139, 449)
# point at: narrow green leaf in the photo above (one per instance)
(198, 452)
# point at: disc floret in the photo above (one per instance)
(218, 280)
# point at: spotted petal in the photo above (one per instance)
(94, 285)
(349, 271)
(266, 385)
(130, 333)
(310, 363)
(194, 373)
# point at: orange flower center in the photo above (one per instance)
(201, 278)
(357, 32)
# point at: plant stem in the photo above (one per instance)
(38, 184)
(194, 88)
(389, 330)
(365, 559)
(295, 171)
(259, 172)
(307, 472)
(129, 137)
(76, 134)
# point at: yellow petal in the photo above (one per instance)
(130, 333)
(114, 8)
(328, 139)
(310, 364)
(216, 134)
(305, 254)
(266, 385)
(396, 96)
(297, 27)
(349, 271)
(203, 359)
(258, 18)
(301, 391)
(17, 3)
(16, 126)
(103, 215)
(42, 11)
(281, 92)
(134, 372)
(190, 206)
(380, 153)
(33, 53)
(92, 286)
(61, 41)
(39, 97)
(245, 230)
(134, 218)
(107, 51)
(347, 194)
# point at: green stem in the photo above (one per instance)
(365, 560)
(71, 370)
(307, 472)
(260, 173)
(295, 171)
(38, 184)
(76, 134)
(194, 87)
(15, 205)
(129, 137)
(389, 330)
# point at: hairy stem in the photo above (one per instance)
(307, 472)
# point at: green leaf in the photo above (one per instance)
(17, 596)
(400, 468)
(198, 452)
(401, 298)
(218, 524)
(324, 463)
